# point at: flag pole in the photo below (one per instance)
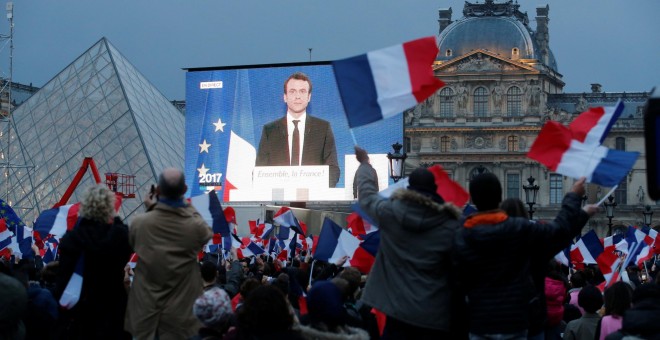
(353, 135)
(607, 195)
(311, 271)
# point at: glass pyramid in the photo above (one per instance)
(99, 106)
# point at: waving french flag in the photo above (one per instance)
(208, 205)
(285, 217)
(450, 190)
(57, 221)
(365, 255)
(587, 249)
(383, 83)
(335, 242)
(576, 151)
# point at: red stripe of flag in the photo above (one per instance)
(420, 55)
(550, 145)
(72, 216)
(449, 189)
(586, 121)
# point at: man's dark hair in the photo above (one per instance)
(209, 271)
(486, 191)
(172, 188)
(299, 76)
(590, 299)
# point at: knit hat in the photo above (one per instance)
(325, 304)
(213, 307)
(486, 191)
(422, 180)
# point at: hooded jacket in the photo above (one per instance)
(493, 257)
(409, 279)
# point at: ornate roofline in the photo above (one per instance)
(491, 9)
(521, 64)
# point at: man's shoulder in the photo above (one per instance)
(317, 120)
(275, 123)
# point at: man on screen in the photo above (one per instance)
(298, 138)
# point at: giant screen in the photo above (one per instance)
(226, 111)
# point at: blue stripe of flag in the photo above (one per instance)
(328, 240)
(358, 91)
(220, 225)
(614, 167)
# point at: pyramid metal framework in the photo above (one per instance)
(99, 106)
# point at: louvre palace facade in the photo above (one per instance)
(502, 85)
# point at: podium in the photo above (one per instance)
(290, 183)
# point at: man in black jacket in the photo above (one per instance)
(493, 254)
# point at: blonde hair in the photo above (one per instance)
(98, 204)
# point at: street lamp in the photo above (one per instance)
(648, 215)
(609, 212)
(396, 162)
(531, 190)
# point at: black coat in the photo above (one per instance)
(99, 314)
(493, 262)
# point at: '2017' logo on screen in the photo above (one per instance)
(211, 179)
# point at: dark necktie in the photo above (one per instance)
(295, 144)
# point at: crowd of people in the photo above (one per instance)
(437, 275)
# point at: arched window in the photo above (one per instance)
(480, 102)
(445, 144)
(446, 102)
(448, 52)
(620, 143)
(512, 143)
(513, 101)
(515, 53)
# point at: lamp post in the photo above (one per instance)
(585, 198)
(531, 190)
(648, 215)
(396, 162)
(609, 212)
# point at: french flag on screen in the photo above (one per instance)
(241, 154)
(71, 293)
(57, 221)
(383, 83)
(576, 151)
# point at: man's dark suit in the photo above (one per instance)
(319, 147)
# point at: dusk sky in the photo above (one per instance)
(611, 42)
